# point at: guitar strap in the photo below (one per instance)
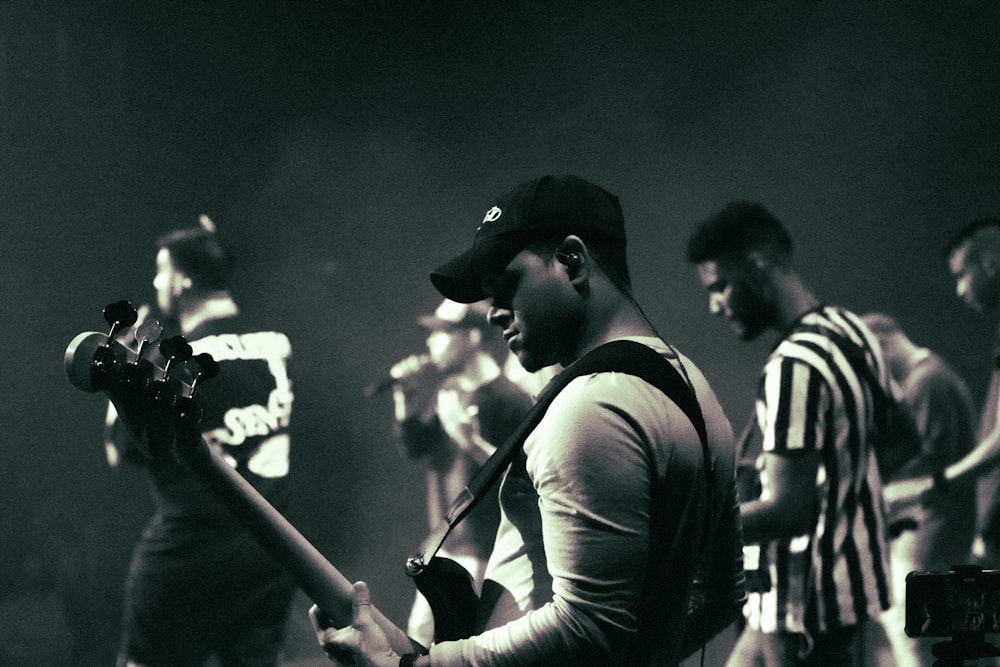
(623, 356)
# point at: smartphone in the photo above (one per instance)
(965, 600)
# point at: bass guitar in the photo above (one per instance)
(160, 409)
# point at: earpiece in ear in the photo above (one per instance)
(570, 259)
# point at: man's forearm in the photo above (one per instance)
(984, 457)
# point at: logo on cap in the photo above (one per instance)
(491, 215)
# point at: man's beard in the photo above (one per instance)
(753, 310)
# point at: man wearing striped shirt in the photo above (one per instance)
(823, 558)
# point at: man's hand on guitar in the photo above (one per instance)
(361, 644)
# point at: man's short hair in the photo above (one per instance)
(967, 232)
(740, 228)
(200, 255)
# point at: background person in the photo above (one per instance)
(943, 525)
(452, 407)
(823, 573)
(198, 586)
(973, 257)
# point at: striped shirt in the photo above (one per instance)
(810, 398)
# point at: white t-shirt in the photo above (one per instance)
(566, 575)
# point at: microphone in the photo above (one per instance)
(402, 370)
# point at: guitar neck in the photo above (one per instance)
(323, 583)
(314, 574)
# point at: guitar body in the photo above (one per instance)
(162, 416)
(451, 595)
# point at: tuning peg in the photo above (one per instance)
(202, 367)
(119, 315)
(148, 332)
(175, 348)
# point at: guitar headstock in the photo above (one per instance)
(155, 395)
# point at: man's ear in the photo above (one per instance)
(572, 253)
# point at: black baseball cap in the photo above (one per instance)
(543, 207)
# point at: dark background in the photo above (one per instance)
(345, 148)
